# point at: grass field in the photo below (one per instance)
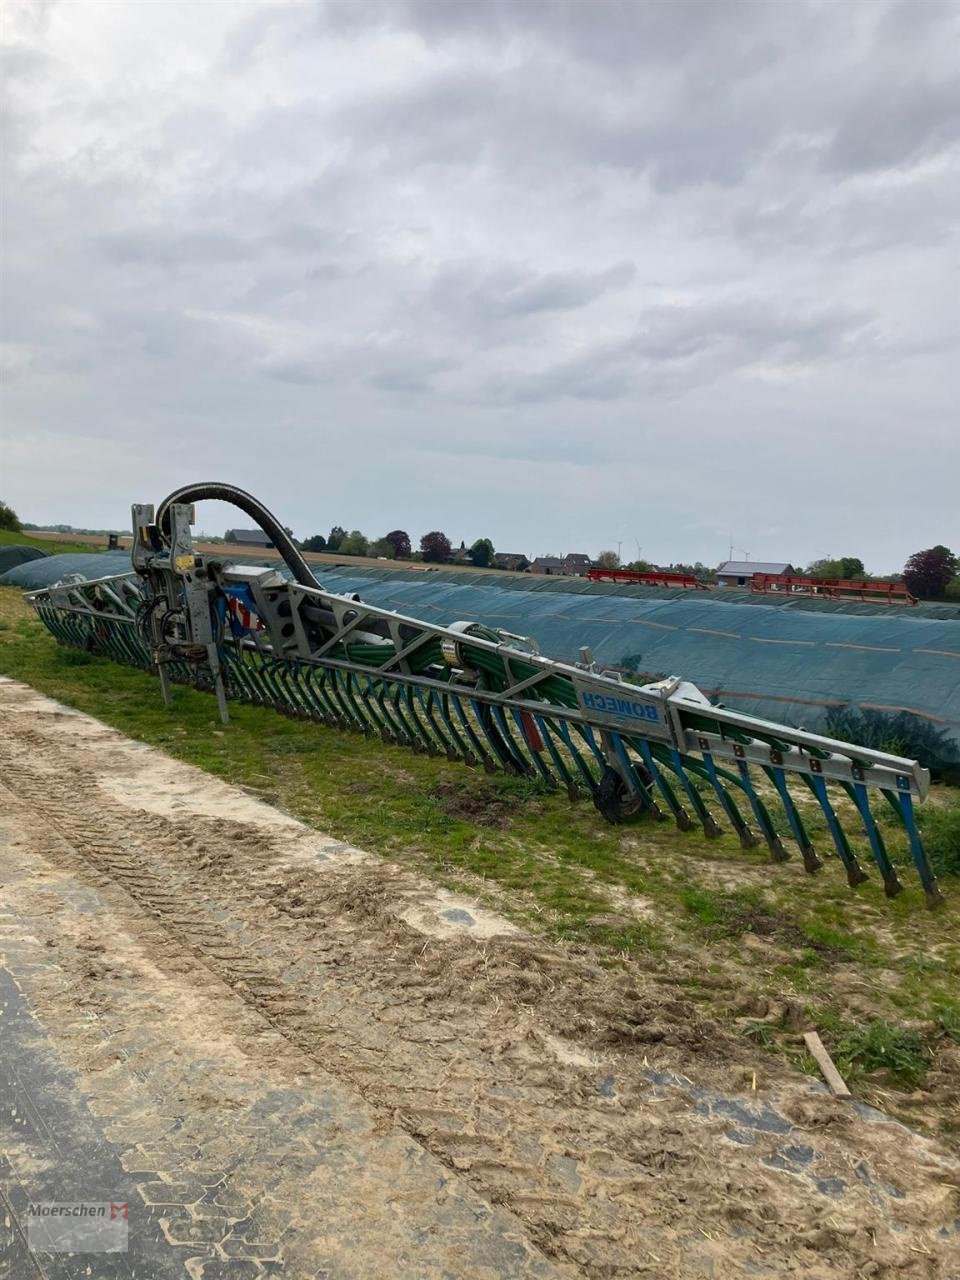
(766, 949)
(8, 539)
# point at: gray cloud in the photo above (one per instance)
(491, 267)
(675, 349)
(165, 248)
(702, 92)
(490, 300)
(609, 33)
(896, 124)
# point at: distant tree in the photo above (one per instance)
(8, 518)
(701, 572)
(435, 547)
(953, 589)
(354, 544)
(852, 567)
(928, 573)
(635, 566)
(335, 537)
(317, 543)
(608, 560)
(696, 570)
(481, 553)
(383, 549)
(837, 567)
(399, 539)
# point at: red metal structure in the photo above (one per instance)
(833, 588)
(893, 593)
(654, 579)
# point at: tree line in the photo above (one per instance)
(929, 575)
(932, 574)
(435, 547)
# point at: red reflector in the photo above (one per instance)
(531, 732)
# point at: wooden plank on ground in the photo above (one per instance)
(834, 1079)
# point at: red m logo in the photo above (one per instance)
(118, 1210)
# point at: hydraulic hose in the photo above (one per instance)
(246, 502)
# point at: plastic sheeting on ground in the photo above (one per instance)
(11, 556)
(50, 569)
(640, 591)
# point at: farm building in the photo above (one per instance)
(737, 573)
(248, 537)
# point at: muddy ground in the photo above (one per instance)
(623, 1133)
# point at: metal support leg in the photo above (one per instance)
(213, 657)
(165, 689)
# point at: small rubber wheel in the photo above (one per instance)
(611, 796)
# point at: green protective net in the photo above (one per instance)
(888, 680)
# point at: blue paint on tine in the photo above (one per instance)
(515, 750)
(710, 828)
(777, 852)
(892, 884)
(855, 873)
(680, 815)
(810, 860)
(547, 730)
(919, 854)
(747, 839)
(564, 730)
(472, 736)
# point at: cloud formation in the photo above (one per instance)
(558, 273)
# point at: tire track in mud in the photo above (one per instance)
(229, 1151)
(518, 1064)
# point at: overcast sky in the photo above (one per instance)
(562, 274)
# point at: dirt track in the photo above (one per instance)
(619, 1131)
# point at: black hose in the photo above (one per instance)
(265, 519)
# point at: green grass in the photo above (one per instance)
(732, 914)
(763, 1034)
(941, 838)
(879, 1045)
(51, 545)
(948, 1020)
(640, 894)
